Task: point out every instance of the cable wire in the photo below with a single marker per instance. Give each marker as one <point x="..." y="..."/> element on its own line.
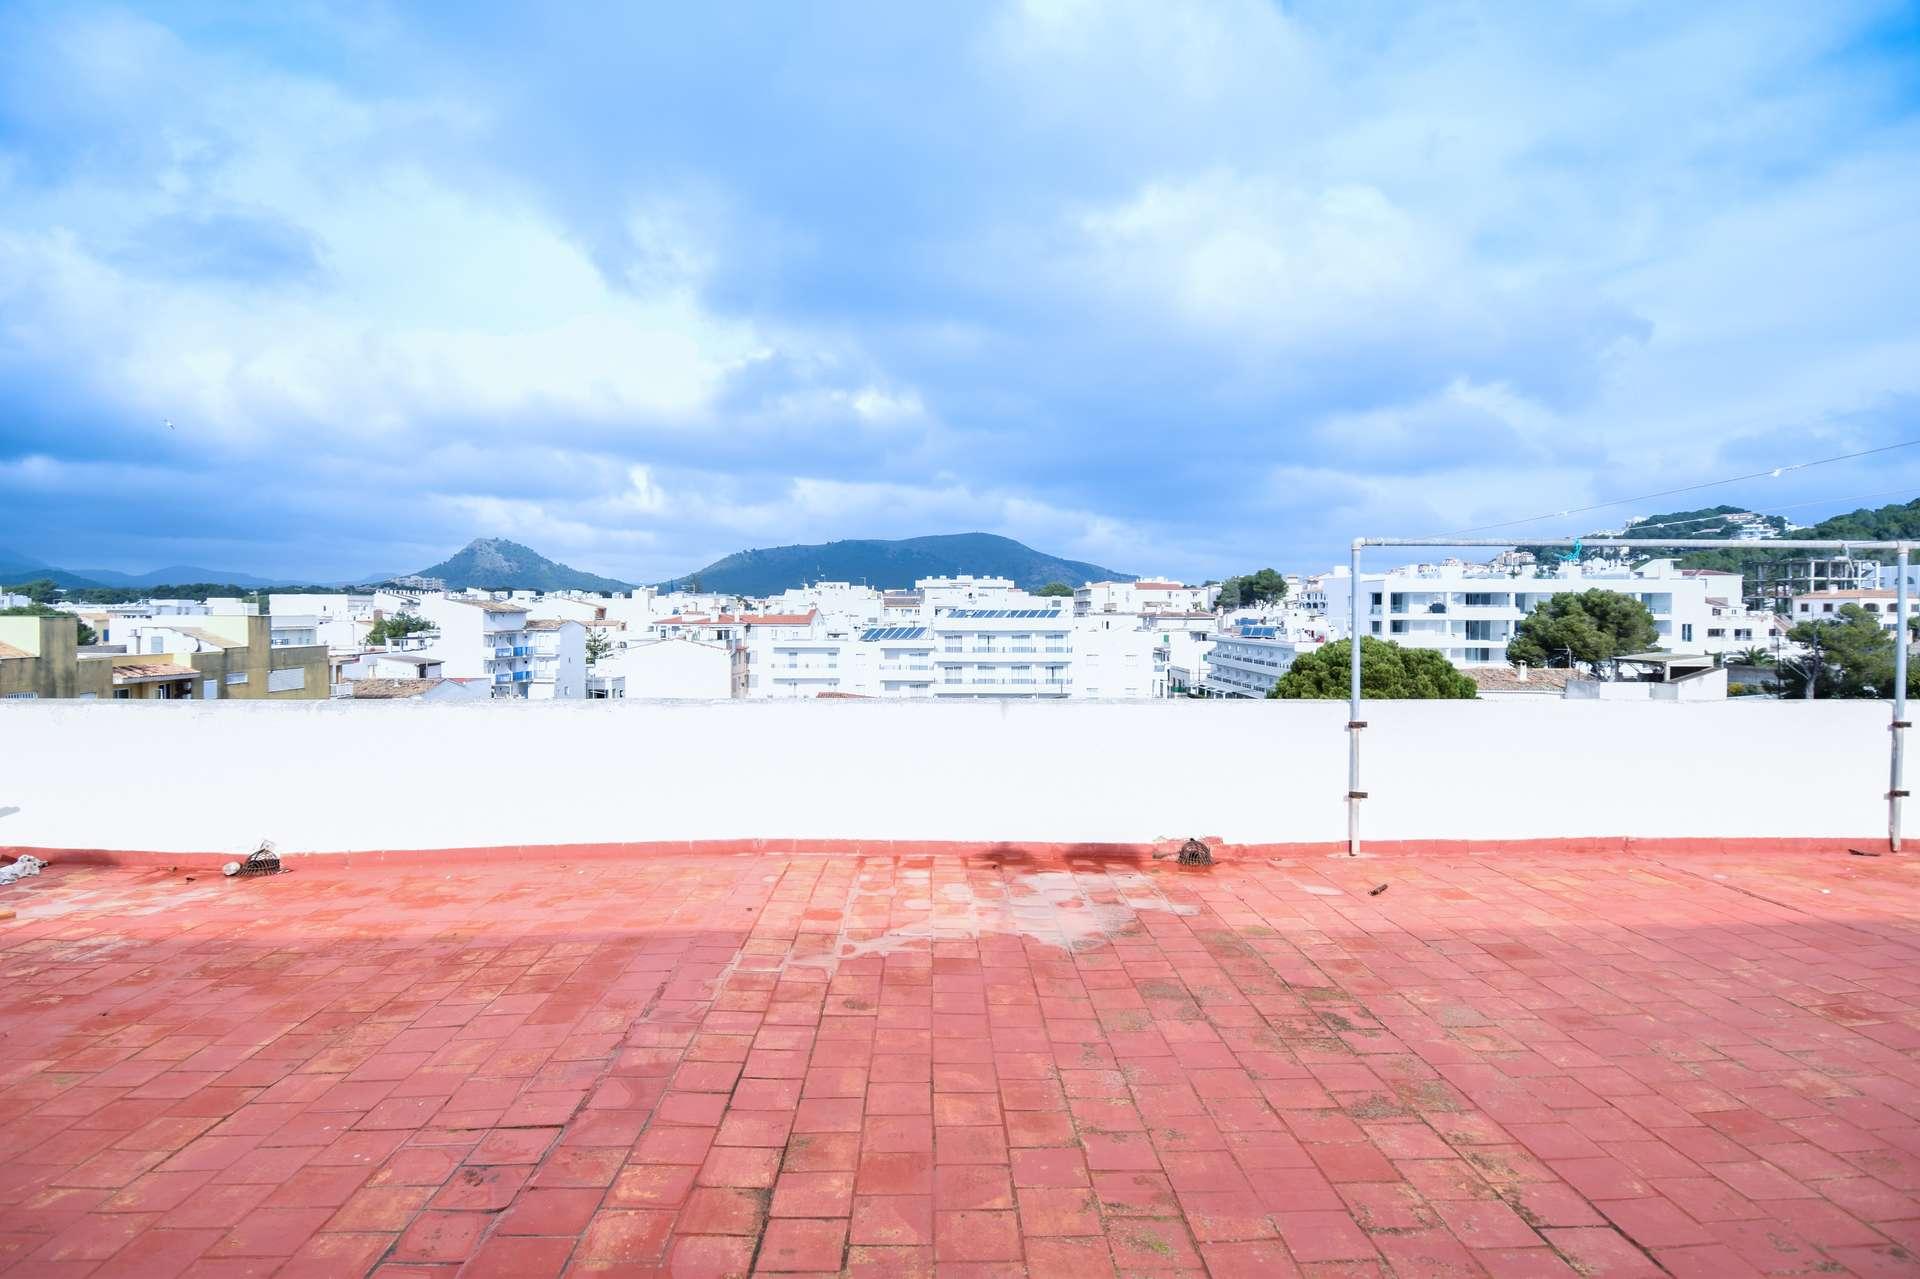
<point x="1773" y="473"/>
<point x="1634" y="530"/>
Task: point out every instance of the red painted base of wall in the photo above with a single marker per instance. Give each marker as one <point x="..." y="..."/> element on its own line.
<point x="1005" y="853"/>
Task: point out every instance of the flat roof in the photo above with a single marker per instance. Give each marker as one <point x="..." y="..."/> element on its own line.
<point x="1051" y="1063"/>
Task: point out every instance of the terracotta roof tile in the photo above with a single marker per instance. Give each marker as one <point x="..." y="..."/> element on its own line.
<point x="1505" y="679"/>
<point x="390" y="688"/>
<point x="143" y="672"/>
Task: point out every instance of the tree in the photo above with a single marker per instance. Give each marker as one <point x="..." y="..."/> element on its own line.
<point x="1262" y="587"/>
<point x="1753" y="657"/>
<point x="87" y="635"/>
<point x="40" y="590"/>
<point x="1848" y="656"/>
<point x="598" y="646"/>
<point x="1582" y="627"/>
<point x="1055" y="588"/>
<point x="386" y="630"/>
<point x="1386" y="670"/>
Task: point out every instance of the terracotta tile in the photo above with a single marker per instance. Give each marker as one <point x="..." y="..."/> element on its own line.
<point x="800" y="1245"/>
<point x="895" y="1221"/>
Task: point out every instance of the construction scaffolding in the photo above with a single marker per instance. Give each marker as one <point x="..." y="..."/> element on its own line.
<point x="1897" y="727"/>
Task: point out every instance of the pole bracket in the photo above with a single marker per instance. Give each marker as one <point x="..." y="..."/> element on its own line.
<point x="1898" y="794"/>
<point x="1360" y="794"/>
<point x="1356" y="723"/>
<point x="1901" y="723"/>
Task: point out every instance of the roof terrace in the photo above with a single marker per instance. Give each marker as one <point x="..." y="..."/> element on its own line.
<point x="1000" y="1061"/>
<point x="870" y="988"/>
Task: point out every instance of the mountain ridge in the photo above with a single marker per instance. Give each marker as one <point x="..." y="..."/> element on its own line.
<point x="499" y="564"/>
<point x="891" y="564"/>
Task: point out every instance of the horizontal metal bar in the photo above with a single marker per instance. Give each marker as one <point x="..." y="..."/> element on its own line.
<point x="1690" y="543"/>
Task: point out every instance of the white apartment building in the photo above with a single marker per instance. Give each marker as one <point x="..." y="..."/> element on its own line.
<point x="1469" y="612"/>
<point x="567" y="608"/>
<point x="482" y="638"/>
<point x="1000" y="652"/>
<point x="957" y="654"/>
<point x="1248" y="663"/>
<point x="559" y="653"/>
<point x="669" y="668"/>
<point x="841" y="601"/>
<point x="891" y="661"/>
<point x="964" y="591"/>
<point x="1148" y="595"/>
<point x="1825" y="606"/>
<point x="1179" y="661"/>
<point x="377" y="663"/>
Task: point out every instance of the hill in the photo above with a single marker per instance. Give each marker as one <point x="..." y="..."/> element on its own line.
<point x="493" y="563"/>
<point x="893" y="565"/>
<point x="1895" y="521"/>
<point x="1707" y="522"/>
<point x="177" y="574"/>
<point x="1876" y="524"/>
<point x="16" y="568"/>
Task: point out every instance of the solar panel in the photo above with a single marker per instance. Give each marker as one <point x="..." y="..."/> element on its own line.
<point x="893" y="633"/>
<point x="1004" y="612"/>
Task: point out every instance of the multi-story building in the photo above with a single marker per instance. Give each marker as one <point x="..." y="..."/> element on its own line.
<point x="482" y="638"/>
<point x="559" y="659"/>
<point x="964" y="591"/>
<point x="1469" y="612"/>
<point x="993" y="652"/>
<point x="1248" y="662"/>
<point x="1148" y="595"/>
<point x="839" y="601"/>
<point x="218" y="658"/>
<point x="1825" y="606"/>
<point x="667" y="668"/>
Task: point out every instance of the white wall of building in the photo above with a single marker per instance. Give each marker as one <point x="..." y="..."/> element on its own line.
<point x="559" y="659"/>
<point x="596" y="771"/>
<point x="1248" y="665"/>
<point x="675" y="669"/>
<point x="1469" y="612"/>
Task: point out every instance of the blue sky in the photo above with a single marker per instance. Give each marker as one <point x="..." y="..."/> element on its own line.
<point x="1180" y="289"/>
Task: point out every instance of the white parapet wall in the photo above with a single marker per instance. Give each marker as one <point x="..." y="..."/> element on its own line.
<point x="342" y="776"/>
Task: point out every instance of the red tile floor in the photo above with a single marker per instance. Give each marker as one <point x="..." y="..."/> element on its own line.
<point x="971" y="1066"/>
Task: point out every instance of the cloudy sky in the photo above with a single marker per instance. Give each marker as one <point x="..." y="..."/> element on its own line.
<point x="1175" y="288"/>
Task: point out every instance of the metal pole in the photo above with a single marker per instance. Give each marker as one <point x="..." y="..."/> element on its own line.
<point x="1898" y="761"/>
<point x="1354" y="722"/>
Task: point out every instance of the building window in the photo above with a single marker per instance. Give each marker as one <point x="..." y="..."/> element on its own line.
<point x="1686" y="632"/>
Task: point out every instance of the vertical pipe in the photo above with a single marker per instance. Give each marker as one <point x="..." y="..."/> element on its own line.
<point x="1897" y="762"/>
<point x="1353" y="704"/>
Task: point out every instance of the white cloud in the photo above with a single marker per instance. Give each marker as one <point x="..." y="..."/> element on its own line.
<point x="1263" y="257"/>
